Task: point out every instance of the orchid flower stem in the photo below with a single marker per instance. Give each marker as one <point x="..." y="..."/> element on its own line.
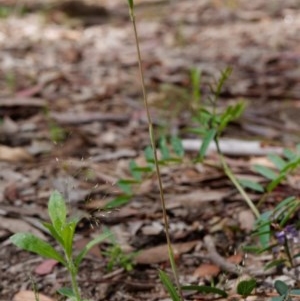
<point x="152" y="139"/>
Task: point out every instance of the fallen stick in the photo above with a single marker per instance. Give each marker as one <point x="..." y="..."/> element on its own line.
<point x="234" y="147"/>
<point x="226" y="266"/>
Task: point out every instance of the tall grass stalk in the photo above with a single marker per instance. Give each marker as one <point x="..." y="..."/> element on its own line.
<point x="152" y="140"/>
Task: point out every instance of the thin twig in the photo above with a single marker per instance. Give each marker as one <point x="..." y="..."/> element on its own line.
<point x="226" y="266"/>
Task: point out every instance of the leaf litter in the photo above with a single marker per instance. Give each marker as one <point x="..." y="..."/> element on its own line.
<point x="72" y="120"/>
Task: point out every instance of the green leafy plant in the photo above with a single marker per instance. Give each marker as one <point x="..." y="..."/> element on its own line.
<point x="56" y="132"/>
<point x="276" y="232"/>
<point x="171" y="152"/>
<point x="283" y="166"/>
<point x="211" y="126"/>
<point x="117" y="257"/>
<point x="62" y="230"/>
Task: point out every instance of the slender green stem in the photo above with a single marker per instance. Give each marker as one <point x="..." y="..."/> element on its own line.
<point x="73" y="273"/>
<point x="234" y="180"/>
<point x="152" y="139"/>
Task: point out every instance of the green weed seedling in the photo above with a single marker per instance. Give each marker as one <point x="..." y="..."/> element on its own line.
<point x="277" y="234"/>
<point x="117" y="257"/>
<point x="283" y="166"/>
<point x="5" y="11"/>
<point x="62" y="230"/>
<point x="274" y="228"/>
<point x="56" y="132"/>
<point x="171" y="152"/>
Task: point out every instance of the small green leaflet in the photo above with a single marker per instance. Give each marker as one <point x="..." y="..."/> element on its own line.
<point x="251" y="185"/>
<point x="266" y="172"/>
<point x="209" y="136"/>
<point x="118" y="201"/>
<point x="245" y="287"/>
<point x="177" y="146"/>
<point x="165" y="153"/>
<point x="277" y="161"/>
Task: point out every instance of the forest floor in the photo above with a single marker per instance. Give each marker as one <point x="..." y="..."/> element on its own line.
<point x="72" y="118"/>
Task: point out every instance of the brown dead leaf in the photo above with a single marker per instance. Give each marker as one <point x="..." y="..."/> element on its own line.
<point x="207" y="271"/>
<point x="196" y="198"/>
<point x="23" y="102"/>
<point x="30" y="296"/>
<point x="246" y="220"/>
<point x="46" y="267"/>
<point x="14" y="154"/>
<point x="87" y="117"/>
<point x="160" y="253"/>
<point x="16" y="225"/>
<point x="236" y="258"/>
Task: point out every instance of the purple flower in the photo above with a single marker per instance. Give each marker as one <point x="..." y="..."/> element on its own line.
<point x="288" y="233"/>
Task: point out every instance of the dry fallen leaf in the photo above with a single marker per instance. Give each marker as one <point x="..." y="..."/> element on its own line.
<point x="30" y="296"/>
<point x="207" y="271"/>
<point x="246" y="220"/>
<point x="160" y="253"/>
<point x="236" y="258"/>
<point x="15" y="225"/>
<point x="46" y="267"/>
<point x="196" y="198"/>
<point x="14" y="154"/>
